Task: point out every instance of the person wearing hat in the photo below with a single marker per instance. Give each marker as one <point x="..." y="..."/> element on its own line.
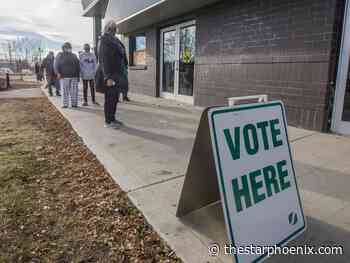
<point x="67" y="67"/>
<point x="87" y="72"/>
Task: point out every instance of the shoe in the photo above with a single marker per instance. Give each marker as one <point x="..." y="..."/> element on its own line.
<point x="74" y="106"/>
<point x="96" y="103"/>
<point x="126" y="99"/>
<point x="58" y="94"/>
<point x="118" y="123"/>
<point x="64" y="107"/>
<point x="85" y="104"/>
<point x="112" y="125"/>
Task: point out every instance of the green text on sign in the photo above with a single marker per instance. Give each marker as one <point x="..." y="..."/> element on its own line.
<point x="254" y="187"/>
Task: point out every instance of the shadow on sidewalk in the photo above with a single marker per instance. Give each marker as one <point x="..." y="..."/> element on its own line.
<point x="177" y="144"/>
<point x="147" y="119"/>
<point x="209" y="224"/>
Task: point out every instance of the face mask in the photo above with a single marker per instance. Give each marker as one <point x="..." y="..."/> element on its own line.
<point x="113" y="33"/>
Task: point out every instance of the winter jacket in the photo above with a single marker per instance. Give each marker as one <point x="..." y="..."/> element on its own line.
<point x="48" y="64"/>
<point x="99" y="80"/>
<point x="112" y="57"/>
<point x="67" y="65"/>
<point x="87" y="65"/>
<point x="37" y="68"/>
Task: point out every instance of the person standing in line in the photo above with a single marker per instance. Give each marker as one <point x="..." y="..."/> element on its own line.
<point x="112" y="56"/>
<point x="51" y="78"/>
<point x="88" y="71"/>
<point x="41" y="71"/>
<point x="124" y="83"/>
<point x="67" y="68"/>
<point x="37" y="70"/>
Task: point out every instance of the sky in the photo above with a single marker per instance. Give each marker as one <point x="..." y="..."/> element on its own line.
<point x="57" y="20"/>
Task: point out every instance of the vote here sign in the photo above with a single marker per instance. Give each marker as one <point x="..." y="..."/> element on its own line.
<point x="256" y="176"/>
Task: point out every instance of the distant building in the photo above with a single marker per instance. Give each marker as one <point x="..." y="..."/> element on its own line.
<point x="204" y="51"/>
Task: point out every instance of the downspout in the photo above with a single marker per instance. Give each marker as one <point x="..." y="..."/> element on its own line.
<point x="334" y="62"/>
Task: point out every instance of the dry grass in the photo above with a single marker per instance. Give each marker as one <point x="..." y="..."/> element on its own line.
<point x="57" y="203"/>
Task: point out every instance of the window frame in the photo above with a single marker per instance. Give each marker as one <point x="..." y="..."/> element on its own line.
<point x="133" y="49"/>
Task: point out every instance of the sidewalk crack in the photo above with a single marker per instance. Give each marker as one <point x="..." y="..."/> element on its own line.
<point x="155" y="183"/>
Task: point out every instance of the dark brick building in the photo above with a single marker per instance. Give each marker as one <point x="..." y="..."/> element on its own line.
<point x="205" y="51"/>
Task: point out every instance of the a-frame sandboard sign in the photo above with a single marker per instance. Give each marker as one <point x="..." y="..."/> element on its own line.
<point x="201" y="185"/>
<point x="242" y="156"/>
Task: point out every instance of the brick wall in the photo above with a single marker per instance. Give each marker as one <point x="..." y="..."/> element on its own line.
<point x="144" y="81"/>
<point x="283" y="48"/>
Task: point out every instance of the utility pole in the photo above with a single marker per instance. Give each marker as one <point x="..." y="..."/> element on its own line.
<point x="10" y="51"/>
<point x="40" y="50"/>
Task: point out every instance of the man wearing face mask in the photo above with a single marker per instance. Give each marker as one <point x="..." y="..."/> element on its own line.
<point x="88" y="71"/>
<point x="67" y="67"/>
<point x="112" y="59"/>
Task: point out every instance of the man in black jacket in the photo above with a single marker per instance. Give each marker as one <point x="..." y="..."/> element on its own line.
<point x="51" y="78"/>
<point x="67" y="67"/>
<point x="112" y="57"/>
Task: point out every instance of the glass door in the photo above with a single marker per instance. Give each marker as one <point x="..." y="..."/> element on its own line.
<point x="186" y="60"/>
<point x="341" y="109"/>
<point x="177" y="62"/>
<point x="346" y="106"/>
<point x="168" y="61"/>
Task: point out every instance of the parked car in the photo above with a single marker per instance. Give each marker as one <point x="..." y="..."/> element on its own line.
<point x="6" y="70"/>
<point x="27" y="72"/>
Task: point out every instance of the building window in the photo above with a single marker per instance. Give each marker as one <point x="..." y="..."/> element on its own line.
<point x="137" y="50"/>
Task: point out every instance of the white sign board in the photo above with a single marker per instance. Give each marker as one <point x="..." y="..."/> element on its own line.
<point x="256" y="176"/>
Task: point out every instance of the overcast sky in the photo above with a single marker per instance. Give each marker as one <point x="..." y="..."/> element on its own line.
<point x="56" y="19"/>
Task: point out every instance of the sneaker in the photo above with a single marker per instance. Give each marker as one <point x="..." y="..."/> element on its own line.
<point x="118" y="122"/>
<point x="126" y="99"/>
<point x="112" y="125"/>
<point x="96" y="103"/>
<point x="85" y="104"/>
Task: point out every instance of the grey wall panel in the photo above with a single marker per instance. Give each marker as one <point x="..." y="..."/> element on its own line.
<point x="120" y="9"/>
<point x="86" y="3"/>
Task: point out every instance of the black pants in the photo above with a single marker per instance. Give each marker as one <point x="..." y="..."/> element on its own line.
<point x="111" y="101"/>
<point x="125" y="90"/>
<point x="52" y="81"/>
<point x="86" y="84"/>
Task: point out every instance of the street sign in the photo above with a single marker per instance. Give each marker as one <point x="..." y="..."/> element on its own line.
<point x="256" y="176"/>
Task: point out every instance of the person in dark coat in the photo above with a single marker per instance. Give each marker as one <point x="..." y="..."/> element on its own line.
<point x="37" y="69"/>
<point x="51" y="78"/>
<point x="125" y="81"/>
<point x="112" y="57"/>
<point x="67" y="68"/>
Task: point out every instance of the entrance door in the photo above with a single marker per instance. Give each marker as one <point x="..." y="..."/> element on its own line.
<point x="177" y="61"/>
<point x="341" y="110"/>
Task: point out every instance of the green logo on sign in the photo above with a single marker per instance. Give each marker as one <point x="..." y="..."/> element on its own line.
<point x="293" y="218"/>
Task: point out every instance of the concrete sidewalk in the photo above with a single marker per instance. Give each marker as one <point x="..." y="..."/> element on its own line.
<point x="21" y="93"/>
<point x="148" y="158"/>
